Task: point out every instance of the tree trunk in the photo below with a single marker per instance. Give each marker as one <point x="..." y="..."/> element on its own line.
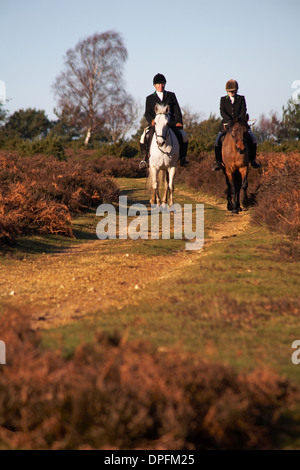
<point x="88" y="136"/>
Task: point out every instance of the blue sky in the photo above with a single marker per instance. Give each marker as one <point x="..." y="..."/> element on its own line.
<point x="198" y="45"/>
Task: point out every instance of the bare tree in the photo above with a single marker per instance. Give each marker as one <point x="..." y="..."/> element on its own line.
<point x="92" y="73"/>
<point x="270" y="128"/>
<point x="121" y="115"/>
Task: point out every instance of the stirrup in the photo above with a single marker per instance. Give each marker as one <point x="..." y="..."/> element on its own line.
<point x="142" y="165"/>
<point x="216" y="166"/>
<point x="184" y="162"/>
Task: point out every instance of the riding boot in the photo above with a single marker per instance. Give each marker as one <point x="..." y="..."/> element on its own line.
<point x="254" y="163"/>
<point x="144" y="156"/>
<point x="252" y="155"/>
<point x="183" y="152"/>
<point x="217" y="165"/>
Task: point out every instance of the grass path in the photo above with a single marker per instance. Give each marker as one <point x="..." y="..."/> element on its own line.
<point x="72" y="281"/>
<point x="235" y="300"/>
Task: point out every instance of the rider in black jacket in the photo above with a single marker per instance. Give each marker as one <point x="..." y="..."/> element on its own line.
<point x="233" y="106"/>
<point x="163" y="97"/>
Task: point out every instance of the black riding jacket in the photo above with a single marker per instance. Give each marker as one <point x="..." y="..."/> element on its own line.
<point x="231" y="111"/>
<point x="169" y="98"/>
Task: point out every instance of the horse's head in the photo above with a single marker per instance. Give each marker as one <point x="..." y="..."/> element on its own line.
<point x="162" y="119"/>
<point x="238" y="132"/>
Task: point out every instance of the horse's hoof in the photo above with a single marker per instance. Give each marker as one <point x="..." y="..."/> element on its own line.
<point x="235" y="211"/>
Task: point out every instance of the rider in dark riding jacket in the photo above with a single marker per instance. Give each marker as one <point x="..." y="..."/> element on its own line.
<point x="162" y="97"/>
<point x="233" y="106"/>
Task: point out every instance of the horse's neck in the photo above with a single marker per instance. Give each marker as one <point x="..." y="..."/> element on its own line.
<point x="168" y="145"/>
<point x="169" y="137"/>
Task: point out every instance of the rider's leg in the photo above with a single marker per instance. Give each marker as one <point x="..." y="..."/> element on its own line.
<point x="183" y="145"/>
<point x="252" y="145"/>
<point x="183" y="152"/>
<point x="145" y="143"/>
<point x="217" y="165"/>
<point x="143" y="150"/>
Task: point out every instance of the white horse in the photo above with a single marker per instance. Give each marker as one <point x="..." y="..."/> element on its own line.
<point x="163" y="156"/>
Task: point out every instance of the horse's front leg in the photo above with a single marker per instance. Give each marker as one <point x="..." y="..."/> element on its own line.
<point x="172" y="171"/>
<point x="244" y="175"/>
<point x="166" y="186"/>
<point x="155" y="199"/>
<point x="231" y="197"/>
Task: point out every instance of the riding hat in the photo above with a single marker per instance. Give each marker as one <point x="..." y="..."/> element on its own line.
<point x="232" y="85"/>
<point x="159" y="78"/>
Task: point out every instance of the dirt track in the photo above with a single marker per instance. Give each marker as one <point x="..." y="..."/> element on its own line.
<point x="60" y="288"/>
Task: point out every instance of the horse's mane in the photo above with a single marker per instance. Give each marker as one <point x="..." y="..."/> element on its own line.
<point x="241" y="120"/>
<point x="238" y="120"/>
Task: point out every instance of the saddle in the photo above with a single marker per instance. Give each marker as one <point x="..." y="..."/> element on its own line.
<point x="148" y="137"/>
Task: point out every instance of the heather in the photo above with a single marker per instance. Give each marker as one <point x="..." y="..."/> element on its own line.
<point x="41" y="194"/>
<point x="273" y="190"/>
<point x="114" y="393"/>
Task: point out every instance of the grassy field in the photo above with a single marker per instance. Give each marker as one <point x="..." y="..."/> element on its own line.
<point x="238" y="301"/>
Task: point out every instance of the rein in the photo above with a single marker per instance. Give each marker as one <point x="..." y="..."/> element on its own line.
<point x="164" y="137"/>
<point x="239" y="140"/>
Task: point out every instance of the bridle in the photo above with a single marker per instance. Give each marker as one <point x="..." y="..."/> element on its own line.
<point x="164" y="137"/>
<point x="244" y="140"/>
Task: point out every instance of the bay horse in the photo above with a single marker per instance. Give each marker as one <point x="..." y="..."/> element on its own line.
<point x="163" y="157"/>
<point x="235" y="160"/>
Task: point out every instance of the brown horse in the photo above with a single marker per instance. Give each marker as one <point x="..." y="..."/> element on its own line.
<point x="235" y="160"/>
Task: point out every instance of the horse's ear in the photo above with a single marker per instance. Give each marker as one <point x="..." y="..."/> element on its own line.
<point x="155" y="108"/>
<point x="167" y="109"/>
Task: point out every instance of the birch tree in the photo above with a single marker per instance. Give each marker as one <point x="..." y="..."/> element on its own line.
<point x="121" y="115"/>
<point x="92" y="72"/>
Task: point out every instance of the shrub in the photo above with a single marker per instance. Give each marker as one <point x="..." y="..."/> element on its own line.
<point x="278" y="202"/>
<point x="274" y="190"/>
<point x="286" y="146"/>
<point x="124" y="150"/>
<point x="40" y="194"/>
<point x="50" y="146"/>
<point x="114" y="394"/>
<point x="116" y="167"/>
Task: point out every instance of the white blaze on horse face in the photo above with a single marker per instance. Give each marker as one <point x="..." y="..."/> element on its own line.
<point x="239" y="135"/>
<point x="161" y="127"/>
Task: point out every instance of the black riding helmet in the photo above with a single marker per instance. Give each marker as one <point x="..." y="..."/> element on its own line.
<point x="159" y="78"/>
